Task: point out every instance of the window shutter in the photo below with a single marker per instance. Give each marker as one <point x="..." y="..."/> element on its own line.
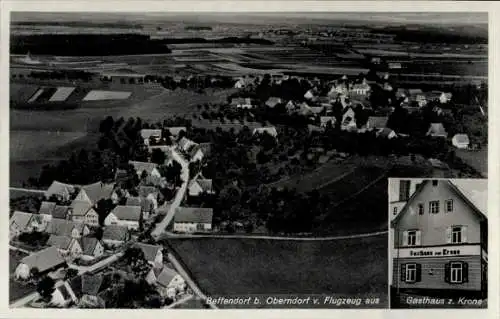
<point x="403" y="272"/>
<point x="448" y="235"/>
<point x="405" y="238"/>
<point x="447" y="272"/>
<point x="465" y="272"/>
<point x="418" y="277"/>
<point x="464" y="234"/>
<point x="418" y="237"/>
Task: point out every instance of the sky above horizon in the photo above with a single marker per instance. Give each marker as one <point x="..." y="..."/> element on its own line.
<point x="459" y="18"/>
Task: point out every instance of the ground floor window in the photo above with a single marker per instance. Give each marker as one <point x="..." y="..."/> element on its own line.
<point x="456" y="272"/>
<point x="411" y="273"/>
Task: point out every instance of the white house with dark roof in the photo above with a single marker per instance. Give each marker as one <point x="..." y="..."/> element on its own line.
<point x="199" y="185"/>
<point x="66" y="245"/>
<point x="151" y="169"/>
<point x="193" y="219"/>
<point x="91" y="248"/>
<point x="94" y="192"/>
<point x="168" y="282"/>
<point x="21" y="222"/>
<point x="186" y="144"/>
<point x="128" y="216"/>
<point x="82" y="212"/>
<point x="152" y="253"/>
<point x="45" y="260"/>
<point x="68" y="228"/>
<point x="148" y="134"/>
<point x="199" y="152"/>
<point x="440" y="239"/>
<point x="61" y="190"/>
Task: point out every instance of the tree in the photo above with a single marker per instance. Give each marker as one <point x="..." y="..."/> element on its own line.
<point x="98" y="233"/>
<point x="135" y="258"/>
<point x="103" y="208"/>
<point x="34" y="273"/>
<point x="106" y="125"/>
<point x="46" y="287"/>
<point x="158" y="156"/>
<point x="70" y="273"/>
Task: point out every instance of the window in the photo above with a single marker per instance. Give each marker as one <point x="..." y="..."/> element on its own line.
<point x="434" y="182"/>
<point x="420" y="209"/>
<point x="395" y="210"/>
<point x="434" y="207"/>
<point x="449" y="205"/>
<point x="456" y="272"/>
<point x="411" y="273"/>
<point x="456" y="235"/>
<point x="404" y="190"/>
<point x="412" y="238"/>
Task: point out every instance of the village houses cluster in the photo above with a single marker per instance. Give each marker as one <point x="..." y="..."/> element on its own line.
<point x="351" y="94"/>
<point x="72" y="218"/>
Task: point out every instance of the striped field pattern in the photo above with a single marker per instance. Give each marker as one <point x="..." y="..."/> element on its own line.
<point x="61" y="94"/>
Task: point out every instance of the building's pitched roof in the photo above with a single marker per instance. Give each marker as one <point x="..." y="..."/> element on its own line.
<point x="415" y="91"/>
<point x="115" y="232"/>
<point x="60" y="189"/>
<point x="63" y="227"/>
<point x="205" y="184"/>
<point x="147" y="133"/>
<point x="60" y="212"/>
<point x="271" y="130"/>
<point x="61" y="242"/>
<point x="46" y="208"/>
<point x="150" y="251"/>
<point x="131" y="213"/>
<point x="91" y="284"/>
<point x="185" y="143"/>
<point x="80" y="208"/>
<point x="64" y="292"/>
<point x="75" y="284"/>
<point x="143" y="202"/>
<point x="98" y="191"/>
<point x="461" y="138"/>
<point x="204" y="147"/>
<point x="193" y="215"/>
<point x="44" y="259"/>
<point x="166" y="276"/>
<point x="21" y="219"/>
<point x="462" y="188"/>
<point x="378" y="121"/>
<point x="143" y="166"/>
<point x="326" y="119"/>
<point x="436" y="129"/>
<point x="133" y="201"/>
<point x="88" y="245"/>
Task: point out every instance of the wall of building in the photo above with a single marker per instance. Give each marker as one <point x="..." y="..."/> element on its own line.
<point x="436" y="280"/>
<point x="433" y="226"/>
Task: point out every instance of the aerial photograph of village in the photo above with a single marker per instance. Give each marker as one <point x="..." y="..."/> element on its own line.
<point x="229" y="160"/>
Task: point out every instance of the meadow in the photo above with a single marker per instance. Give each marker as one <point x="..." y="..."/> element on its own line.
<point x="232" y="267"/>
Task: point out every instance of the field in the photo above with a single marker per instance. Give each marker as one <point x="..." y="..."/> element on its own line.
<point x="346" y="267"/>
<point x="17" y="290"/>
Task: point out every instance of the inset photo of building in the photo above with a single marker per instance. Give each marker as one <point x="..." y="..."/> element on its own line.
<point x="438" y="243"/>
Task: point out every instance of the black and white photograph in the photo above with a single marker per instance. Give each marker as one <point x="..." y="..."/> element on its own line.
<point x="439" y="243"/>
<point x="237" y="160"/>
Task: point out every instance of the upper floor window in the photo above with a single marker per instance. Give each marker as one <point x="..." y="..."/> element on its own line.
<point x="456" y="235"/>
<point x="411" y="238"/>
<point x="420" y="209"/>
<point x="395" y="210"/>
<point x="434" y="207"/>
<point x="404" y="190"/>
<point x="449" y="205"/>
